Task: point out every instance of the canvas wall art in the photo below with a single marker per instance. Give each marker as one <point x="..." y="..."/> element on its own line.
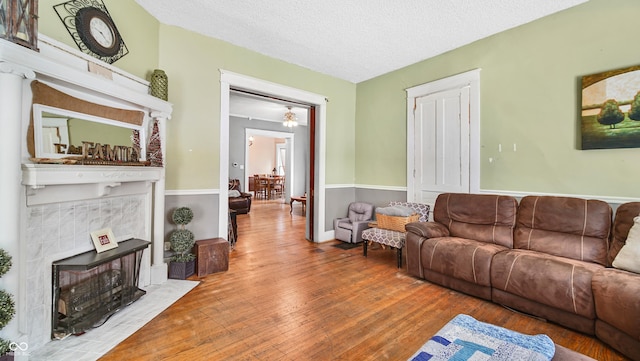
<point x="611" y="109"/>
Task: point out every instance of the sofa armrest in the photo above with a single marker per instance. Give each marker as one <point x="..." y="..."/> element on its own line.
<point x="427" y="229"/>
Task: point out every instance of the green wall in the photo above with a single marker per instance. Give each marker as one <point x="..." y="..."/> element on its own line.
<point x="530" y="94"/>
<point x="81" y="130"/>
<point x="192" y="63"/>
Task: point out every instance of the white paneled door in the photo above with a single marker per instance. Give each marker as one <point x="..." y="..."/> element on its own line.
<point x="441" y="144"/>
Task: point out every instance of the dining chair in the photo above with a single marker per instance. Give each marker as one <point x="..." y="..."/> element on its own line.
<point x="278" y="186"/>
<point x="260" y="186"/>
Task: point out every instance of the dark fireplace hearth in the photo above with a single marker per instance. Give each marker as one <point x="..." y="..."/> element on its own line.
<point x="90" y="287"/>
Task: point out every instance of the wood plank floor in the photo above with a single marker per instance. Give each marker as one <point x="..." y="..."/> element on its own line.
<point x="285" y="298"/>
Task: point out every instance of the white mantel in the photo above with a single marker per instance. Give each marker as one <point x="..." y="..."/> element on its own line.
<point x="28" y="191"/>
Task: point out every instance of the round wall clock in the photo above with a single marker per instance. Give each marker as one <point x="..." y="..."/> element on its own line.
<point x="92" y="29"/>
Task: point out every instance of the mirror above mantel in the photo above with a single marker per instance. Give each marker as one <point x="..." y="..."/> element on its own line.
<point x="65" y="136"/>
<point x="68" y="130"/>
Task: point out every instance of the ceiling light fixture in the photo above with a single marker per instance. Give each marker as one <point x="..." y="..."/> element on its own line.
<point x="290" y="119"/>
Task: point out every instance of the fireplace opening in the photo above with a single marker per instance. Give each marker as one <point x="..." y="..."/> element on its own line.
<point x="90" y="287"/>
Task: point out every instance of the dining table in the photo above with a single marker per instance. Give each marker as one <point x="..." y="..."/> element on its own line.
<point x="269" y="182"/>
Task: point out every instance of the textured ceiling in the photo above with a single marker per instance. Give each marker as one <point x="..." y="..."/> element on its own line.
<point x="354" y="40"/>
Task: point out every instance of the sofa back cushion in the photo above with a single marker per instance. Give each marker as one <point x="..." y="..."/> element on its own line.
<point x="564" y="226"/>
<point x="621" y="225"/>
<point x="481" y="217"/>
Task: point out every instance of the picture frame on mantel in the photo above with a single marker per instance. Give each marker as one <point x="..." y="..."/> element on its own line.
<point x="103" y="240"/>
<point x="610" y="109"/>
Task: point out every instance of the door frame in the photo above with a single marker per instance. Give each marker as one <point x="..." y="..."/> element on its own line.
<point x="470" y="78"/>
<point x="289" y="145"/>
<point x="230" y="80"/>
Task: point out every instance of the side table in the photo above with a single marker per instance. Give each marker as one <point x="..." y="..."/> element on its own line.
<point x="302" y="200"/>
<point x="212" y="255"/>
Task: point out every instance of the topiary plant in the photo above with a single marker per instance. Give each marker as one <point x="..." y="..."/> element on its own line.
<point x="182" y="216"/>
<point x="182" y="240"/>
<point x="7" y="308"/>
<point x="7" y="305"/>
<point x="5" y="346"/>
<point x="5" y="262"/>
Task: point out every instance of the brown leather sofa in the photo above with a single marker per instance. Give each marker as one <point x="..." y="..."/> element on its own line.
<point x="242" y="203"/>
<point x="545" y="256"/>
<point x="617" y="292"/>
<point x="559" y="244"/>
<point x="456" y="249"/>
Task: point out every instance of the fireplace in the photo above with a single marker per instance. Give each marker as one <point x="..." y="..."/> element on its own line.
<point x="90" y="287"/>
<point x="49" y="210"/>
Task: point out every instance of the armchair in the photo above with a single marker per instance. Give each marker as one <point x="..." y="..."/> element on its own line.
<point x="349" y="229"/>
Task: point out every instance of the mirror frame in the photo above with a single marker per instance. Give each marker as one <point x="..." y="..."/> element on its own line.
<point x="40" y="109"/>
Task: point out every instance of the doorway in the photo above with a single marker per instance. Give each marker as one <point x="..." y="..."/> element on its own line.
<point x="443" y="137"/>
<point x="284" y="166"/>
<point x="315" y="222"/>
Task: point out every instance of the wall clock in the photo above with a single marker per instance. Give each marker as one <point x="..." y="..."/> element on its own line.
<point x="92" y="29"/>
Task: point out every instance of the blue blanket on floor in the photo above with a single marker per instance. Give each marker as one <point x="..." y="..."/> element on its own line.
<point x="465" y="338"/>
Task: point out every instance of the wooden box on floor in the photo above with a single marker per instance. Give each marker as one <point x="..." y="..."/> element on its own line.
<point x="212" y="255"/>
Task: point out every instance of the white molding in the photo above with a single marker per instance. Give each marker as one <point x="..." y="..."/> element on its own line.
<point x="68" y="68"/>
<point x="382" y="188"/>
<point x="367" y="186"/>
<point x="520" y="194"/>
<point x="42" y="175"/>
<point x="230" y="79"/>
<point x="15" y="69"/>
<point x="338" y="186"/>
<point x="190" y="192"/>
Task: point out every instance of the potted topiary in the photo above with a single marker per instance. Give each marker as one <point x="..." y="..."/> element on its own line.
<point x="182" y="264"/>
<point x="7" y="307"/>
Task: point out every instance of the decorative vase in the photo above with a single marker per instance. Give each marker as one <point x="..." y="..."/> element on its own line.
<point x="181" y="270"/>
<point x="159" y="84"/>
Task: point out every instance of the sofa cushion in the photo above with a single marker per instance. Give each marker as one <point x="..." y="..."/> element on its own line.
<point x="629" y="256"/>
<point x="482" y="217"/>
<point x="559" y="282"/>
<point x="564" y="226"/>
<point x="616" y="295"/>
<point x="460" y="258"/>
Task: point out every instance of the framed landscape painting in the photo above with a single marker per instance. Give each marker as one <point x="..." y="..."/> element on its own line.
<point x="611" y="109"/>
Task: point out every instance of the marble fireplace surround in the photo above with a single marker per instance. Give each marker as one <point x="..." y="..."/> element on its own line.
<point x="48" y="211"/>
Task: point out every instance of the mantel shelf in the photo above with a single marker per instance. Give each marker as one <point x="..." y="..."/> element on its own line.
<point x="42" y="175"/>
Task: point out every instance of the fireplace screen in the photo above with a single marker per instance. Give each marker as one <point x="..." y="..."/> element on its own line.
<point x="90" y="287"/>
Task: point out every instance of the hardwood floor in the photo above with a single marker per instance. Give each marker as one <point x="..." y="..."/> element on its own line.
<point x="285" y="298"/>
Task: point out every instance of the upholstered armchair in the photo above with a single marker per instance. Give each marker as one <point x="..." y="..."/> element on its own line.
<point x="349" y="229"/>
